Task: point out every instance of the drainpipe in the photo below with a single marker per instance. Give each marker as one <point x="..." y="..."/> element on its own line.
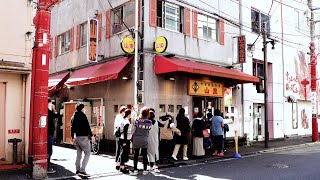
<point x="23" y="115"/>
<point x="282" y="54"/>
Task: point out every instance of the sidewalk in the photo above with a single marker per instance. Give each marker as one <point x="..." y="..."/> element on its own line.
<point x="103" y="165"/>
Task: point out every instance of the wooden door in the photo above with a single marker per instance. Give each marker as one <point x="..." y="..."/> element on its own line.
<point x="2" y="119"/>
<point x="69" y="109"/>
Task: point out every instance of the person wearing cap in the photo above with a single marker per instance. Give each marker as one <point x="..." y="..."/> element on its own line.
<point x="81" y="128"/>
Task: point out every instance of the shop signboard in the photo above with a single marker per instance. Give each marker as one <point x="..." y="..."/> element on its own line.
<point x="92" y="51"/>
<point x="161" y="44"/>
<point x="242" y="49"/>
<point x="205" y="88"/>
<point x="127" y="45"/>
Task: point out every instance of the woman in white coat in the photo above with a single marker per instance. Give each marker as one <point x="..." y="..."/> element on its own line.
<point x="153" y="142"/>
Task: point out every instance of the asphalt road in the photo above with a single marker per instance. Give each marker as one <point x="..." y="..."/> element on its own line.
<point x="298" y="164"/>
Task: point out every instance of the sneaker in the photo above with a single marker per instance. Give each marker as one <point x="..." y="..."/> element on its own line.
<point x="221" y="154"/>
<point x="174" y="157"/>
<point x="77" y="172"/>
<point x="215" y="154"/>
<point x="124" y="171"/>
<point x="117" y="167"/>
<point x="156" y="170"/>
<point x="185" y="158"/>
<point x="145" y="172"/>
<point x="135" y="172"/>
<point x="51" y="171"/>
<point x="83" y="173"/>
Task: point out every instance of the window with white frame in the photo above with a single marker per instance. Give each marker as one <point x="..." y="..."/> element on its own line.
<point x="257" y="20"/>
<point x="83" y="33"/>
<point x="170" y="16"/>
<point x="64" y="42"/>
<point x="207" y="27"/>
<point x="123" y="16"/>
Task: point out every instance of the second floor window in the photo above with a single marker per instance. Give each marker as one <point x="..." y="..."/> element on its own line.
<point x="170" y="16"/>
<point x="257" y="20"/>
<point x="83" y="34"/>
<point x="207" y="28"/>
<point x="123" y="15"/>
<point x="258" y="70"/>
<point x="64" y="42"/>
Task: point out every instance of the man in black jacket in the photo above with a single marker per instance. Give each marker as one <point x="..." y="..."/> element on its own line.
<point x="51" y="116"/>
<point x="81" y="128"/>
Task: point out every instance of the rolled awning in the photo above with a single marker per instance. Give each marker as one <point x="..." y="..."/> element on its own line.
<point x="167" y="65"/>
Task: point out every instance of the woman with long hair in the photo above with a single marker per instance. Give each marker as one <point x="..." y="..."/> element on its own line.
<point x="198" y="126"/>
<point x="183" y="125"/>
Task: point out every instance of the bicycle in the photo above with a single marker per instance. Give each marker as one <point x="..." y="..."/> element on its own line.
<point x="97" y="134"/>
<point x="95" y="145"/>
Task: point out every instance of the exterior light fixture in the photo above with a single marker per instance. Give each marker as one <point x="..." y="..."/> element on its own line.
<point x="172" y="79"/>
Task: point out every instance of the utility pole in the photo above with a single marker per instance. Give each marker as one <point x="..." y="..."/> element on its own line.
<point x="313" y="73"/>
<point x="265" y="51"/>
<point x="39" y="91"/>
<point x="136" y="54"/>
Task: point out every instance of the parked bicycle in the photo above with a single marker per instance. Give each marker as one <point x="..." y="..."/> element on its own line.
<point x="97" y="134"/>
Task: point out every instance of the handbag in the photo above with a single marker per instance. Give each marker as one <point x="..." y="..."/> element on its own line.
<point x="206" y="133"/>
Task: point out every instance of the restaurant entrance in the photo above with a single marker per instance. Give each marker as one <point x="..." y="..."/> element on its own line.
<point x="206" y="104"/>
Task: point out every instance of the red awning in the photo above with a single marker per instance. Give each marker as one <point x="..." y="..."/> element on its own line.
<point x="97" y="73"/>
<point x="55" y="79"/>
<point x="166" y="65"/>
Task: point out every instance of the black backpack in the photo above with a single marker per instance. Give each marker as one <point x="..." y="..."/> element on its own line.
<point x="118" y="133"/>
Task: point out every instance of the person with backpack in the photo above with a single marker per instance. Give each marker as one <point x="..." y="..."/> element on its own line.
<point x="117" y="122"/>
<point x="153" y="142"/>
<point x="217" y="132"/>
<point x="124" y="140"/>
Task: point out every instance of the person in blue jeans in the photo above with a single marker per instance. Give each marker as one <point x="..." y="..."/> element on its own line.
<point x="217" y="132"/>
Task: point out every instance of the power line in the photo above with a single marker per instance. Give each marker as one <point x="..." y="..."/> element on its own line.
<point x="103" y="11"/>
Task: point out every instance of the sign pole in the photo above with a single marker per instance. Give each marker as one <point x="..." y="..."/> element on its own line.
<point x="266" y="102"/>
<point x="39" y="92"/>
<point x="313" y="73"/>
<point x="136" y="54"/>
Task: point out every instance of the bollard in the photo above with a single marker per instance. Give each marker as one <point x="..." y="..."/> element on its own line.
<point x="15" y="142"/>
<point x="236" y="155"/>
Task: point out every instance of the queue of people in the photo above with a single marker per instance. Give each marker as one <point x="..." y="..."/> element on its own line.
<point x="160" y="140"/>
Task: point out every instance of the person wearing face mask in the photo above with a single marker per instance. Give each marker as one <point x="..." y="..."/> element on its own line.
<point x="117" y="123"/>
<point x="81" y="128"/>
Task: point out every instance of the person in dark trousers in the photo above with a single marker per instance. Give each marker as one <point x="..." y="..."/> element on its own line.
<point x="81" y="128"/>
<point x="117" y="122"/>
<point x="140" y="139"/>
<point x="51" y="128"/>
<point x="217" y="132"/>
<point x="124" y="140"/>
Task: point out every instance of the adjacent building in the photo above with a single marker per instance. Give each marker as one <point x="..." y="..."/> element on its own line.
<point x="15" y="78"/>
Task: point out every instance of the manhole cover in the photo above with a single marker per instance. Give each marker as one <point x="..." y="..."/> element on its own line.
<point x="280" y="166"/>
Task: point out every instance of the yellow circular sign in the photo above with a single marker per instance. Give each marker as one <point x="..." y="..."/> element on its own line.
<point x="127" y="44"/>
<point x="161" y="44"/>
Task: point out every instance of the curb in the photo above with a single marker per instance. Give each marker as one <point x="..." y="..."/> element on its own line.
<point x="213" y="159"/>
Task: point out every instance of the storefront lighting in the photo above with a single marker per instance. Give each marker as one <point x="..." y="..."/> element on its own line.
<point x="172" y="79"/>
<point x="124" y="78"/>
